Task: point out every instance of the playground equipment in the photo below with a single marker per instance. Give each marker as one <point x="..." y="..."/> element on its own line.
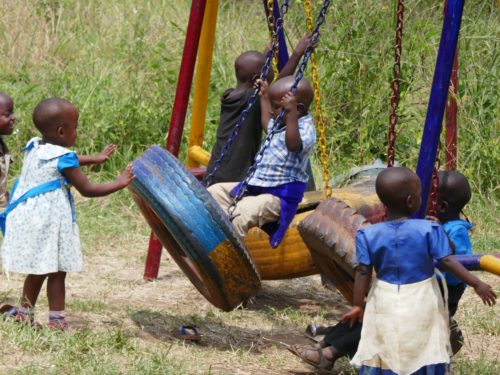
<point x="183" y="215"/>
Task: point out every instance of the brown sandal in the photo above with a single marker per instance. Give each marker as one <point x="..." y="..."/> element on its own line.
<point x="324" y="365"/>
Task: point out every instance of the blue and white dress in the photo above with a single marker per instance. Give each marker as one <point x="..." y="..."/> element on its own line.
<point x="41" y="233"/>
<point x="405" y="326"/>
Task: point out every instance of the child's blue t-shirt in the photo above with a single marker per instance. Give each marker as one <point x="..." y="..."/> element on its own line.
<point x="457" y="231"/>
<point x="402" y="252"/>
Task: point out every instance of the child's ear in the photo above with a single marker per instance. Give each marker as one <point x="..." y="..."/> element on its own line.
<point x="301" y="109"/>
<point x="443" y="206"/>
<point x="60" y="131"/>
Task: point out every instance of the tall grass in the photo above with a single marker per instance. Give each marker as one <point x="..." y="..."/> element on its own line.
<point x="118" y="61"/>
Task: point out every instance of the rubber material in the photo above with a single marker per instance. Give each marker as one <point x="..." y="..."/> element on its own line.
<point x="329" y="234"/>
<point x="194" y="230"/>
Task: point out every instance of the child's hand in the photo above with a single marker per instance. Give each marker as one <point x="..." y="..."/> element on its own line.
<point x="301" y="47"/>
<point x="353" y="316"/>
<point x="125" y="178"/>
<point x="105" y="154"/>
<point x="289" y="102"/>
<point x="486" y="293"/>
<point x="264" y="87"/>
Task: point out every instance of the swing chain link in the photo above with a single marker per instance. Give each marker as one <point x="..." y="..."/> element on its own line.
<point x="395" y="84"/>
<point x="278" y="122"/>
<point x="435" y="184"/>
<point x="251" y="101"/>
<point x="319" y="113"/>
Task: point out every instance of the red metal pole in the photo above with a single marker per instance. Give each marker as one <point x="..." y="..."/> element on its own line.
<point x="451" y="118"/>
<point x="178" y="114"/>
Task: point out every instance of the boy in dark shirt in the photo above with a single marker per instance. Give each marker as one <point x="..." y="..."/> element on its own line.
<point x="233" y="101"/>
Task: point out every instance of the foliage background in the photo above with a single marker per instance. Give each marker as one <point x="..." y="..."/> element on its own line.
<point x="118" y="61"/>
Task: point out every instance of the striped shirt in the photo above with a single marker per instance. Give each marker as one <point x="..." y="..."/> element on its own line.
<point x="279" y="165"/>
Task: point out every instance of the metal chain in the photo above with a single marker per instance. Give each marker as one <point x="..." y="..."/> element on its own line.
<point x="278" y="122"/>
<point x="435" y="184"/>
<point x="272" y="35"/>
<point x="318" y="108"/>
<point x="251" y="101"/>
<point x="396" y="69"/>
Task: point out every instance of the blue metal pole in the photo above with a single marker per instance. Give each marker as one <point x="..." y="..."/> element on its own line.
<point x="438" y="97"/>
<point x="282" y="50"/>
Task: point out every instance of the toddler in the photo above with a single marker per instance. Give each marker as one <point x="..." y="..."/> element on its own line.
<point x="41" y="233"/>
<point x="280" y="180"/>
<point x="247" y="68"/>
<point x="7" y="120"/>
<point x="405" y="324"/>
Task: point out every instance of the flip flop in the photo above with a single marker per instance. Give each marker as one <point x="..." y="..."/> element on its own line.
<point x="188" y="332"/>
<point x="324" y="366"/>
<point x="315" y="329"/>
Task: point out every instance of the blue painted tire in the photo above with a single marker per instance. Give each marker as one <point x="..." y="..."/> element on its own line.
<point x="194" y="230"/>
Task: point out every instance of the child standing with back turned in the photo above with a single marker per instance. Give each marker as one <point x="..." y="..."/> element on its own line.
<point x="41" y="234"/>
<point x="405" y="324"/>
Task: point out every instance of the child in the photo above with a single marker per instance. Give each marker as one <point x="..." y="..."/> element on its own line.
<point x="233" y="101"/>
<point x="280" y="180"/>
<point x="7" y="120"/>
<point x="454" y="193"/>
<point x="405" y="327"/>
<point x="41" y="237"/>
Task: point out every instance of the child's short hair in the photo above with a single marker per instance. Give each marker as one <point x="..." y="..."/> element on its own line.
<point x="49" y="113"/>
<point x="248" y="65"/>
<point x="454" y="188"/>
<point x="394" y="185"/>
<point x="305" y="94"/>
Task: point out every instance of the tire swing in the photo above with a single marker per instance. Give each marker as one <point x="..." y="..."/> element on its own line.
<point x="196" y="232"/>
<point x="291" y="258"/>
<point x="330" y="231"/>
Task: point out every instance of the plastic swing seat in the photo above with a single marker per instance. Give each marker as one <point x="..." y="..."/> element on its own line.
<point x="193" y="228"/>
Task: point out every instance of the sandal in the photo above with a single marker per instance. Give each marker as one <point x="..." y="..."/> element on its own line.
<point x="188" y="332"/>
<point x="12" y="312"/>
<point x="324" y="365"/>
<point x="315" y="329"/>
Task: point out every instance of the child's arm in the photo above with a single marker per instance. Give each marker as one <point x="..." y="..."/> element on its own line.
<point x="292" y="133"/>
<point x="88" y="189"/>
<point x="362" y="282"/>
<point x="97" y="159"/>
<point x="265" y="103"/>
<point x="483" y="290"/>
<point x="295" y="57"/>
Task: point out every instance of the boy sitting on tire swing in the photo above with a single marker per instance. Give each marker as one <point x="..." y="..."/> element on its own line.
<point x="280" y="180"/>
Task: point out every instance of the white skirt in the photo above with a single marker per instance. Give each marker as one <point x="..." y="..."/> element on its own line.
<point x="405" y="327"/>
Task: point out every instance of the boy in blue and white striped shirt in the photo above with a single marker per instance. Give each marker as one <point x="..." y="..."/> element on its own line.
<point x="280" y="180"/>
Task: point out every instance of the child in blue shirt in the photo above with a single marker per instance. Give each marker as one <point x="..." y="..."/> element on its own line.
<point x="454" y="194"/>
<point x="405" y="324"/>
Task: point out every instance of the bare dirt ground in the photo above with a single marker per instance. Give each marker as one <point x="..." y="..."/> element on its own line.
<point x="111" y="293"/>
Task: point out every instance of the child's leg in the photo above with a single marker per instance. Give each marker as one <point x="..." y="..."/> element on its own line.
<point x="220" y="192"/>
<point x="56" y="293"/>
<point x="31" y="290"/>
<point x="255" y="211"/>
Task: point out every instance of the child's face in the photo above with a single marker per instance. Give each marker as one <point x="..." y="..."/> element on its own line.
<point x="67" y="133"/>
<point x="7" y="117"/>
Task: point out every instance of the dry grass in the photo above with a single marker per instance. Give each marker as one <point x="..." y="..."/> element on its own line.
<point x="121" y="324"/>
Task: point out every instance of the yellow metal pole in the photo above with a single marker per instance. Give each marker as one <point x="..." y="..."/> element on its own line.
<point x="202" y="80"/>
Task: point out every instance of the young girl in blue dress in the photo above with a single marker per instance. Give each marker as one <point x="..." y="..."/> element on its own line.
<point x="41" y="233"/>
<point x="405" y="322"/>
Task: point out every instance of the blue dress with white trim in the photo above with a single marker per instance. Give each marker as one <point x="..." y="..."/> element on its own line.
<point x="41" y="233"/>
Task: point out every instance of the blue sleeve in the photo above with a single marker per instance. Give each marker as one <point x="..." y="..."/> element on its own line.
<point x="439" y="245"/>
<point x="460" y="238"/>
<point x="362" y="253"/>
<point x="69" y="160"/>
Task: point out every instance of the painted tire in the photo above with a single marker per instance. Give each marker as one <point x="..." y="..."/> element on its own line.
<point x="329" y="233"/>
<point x="193" y="229"/>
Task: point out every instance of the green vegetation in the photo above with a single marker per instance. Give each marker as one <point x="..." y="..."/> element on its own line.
<point x="119" y="60"/>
